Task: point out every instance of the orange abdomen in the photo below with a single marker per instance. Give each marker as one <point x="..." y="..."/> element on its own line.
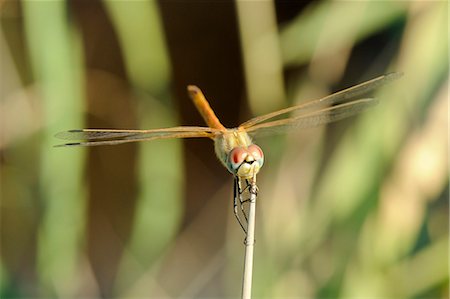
<point x="203" y="107"/>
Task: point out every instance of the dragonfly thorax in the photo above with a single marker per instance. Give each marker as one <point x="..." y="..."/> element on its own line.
<point x="238" y="154"/>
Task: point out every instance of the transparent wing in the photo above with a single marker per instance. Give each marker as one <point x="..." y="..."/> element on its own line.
<point x="313" y="119"/>
<point x="92" y="137"/>
<point x="337" y="98"/>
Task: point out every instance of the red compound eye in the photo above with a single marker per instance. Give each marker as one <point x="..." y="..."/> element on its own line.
<point x="255" y="151"/>
<point x="238" y="155"/>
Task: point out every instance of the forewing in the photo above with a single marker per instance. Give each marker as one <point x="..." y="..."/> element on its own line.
<point x="313" y="119"/>
<point x="92" y="137"/>
<point x="337" y="98"/>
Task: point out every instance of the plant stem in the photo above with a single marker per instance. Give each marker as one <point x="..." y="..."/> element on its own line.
<point x="249" y="244"/>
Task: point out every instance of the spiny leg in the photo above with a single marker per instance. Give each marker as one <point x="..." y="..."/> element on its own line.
<point x="237" y="195"/>
<point x="252" y="187"/>
<point x="241" y="201"/>
<point x="253" y="193"/>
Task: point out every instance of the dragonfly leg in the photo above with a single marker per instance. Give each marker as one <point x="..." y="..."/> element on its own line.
<point x="247" y="185"/>
<point x="252" y="193"/>
<point x="237" y="196"/>
<point x="241" y="201"/>
<point x="251" y="186"/>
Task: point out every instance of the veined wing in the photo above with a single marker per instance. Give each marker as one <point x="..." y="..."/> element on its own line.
<point x="92" y="137"/>
<point x="313" y="119"/>
<point x="337" y="98"/>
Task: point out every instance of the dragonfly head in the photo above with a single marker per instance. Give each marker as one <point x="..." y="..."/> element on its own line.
<point x="245" y="162"/>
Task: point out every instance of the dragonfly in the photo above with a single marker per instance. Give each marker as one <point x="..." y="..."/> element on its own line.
<point x="234" y="147"/>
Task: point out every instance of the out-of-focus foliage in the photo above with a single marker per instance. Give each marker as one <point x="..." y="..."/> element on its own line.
<point x="356" y="209"/>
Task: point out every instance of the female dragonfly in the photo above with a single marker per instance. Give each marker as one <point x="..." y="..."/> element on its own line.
<point x="234" y="147"/>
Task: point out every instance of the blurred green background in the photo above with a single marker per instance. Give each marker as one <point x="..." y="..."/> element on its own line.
<point x="355" y="209"/>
